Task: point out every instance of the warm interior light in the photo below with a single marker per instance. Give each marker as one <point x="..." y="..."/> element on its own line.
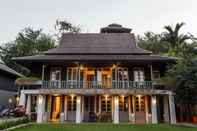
<point x="149" y="115"/>
<point x="114" y="66"/>
<point x="108" y="76"/>
<point x="132" y="114"/>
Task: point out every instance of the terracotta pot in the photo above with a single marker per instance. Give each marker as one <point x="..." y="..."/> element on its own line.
<point x="194" y="118"/>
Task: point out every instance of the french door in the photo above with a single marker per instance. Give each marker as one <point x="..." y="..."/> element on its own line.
<point x="75" y="77"/>
<point x="55" y="77"/>
<point x="140" y="114"/>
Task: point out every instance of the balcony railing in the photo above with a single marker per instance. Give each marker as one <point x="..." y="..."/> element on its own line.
<point x="96" y="84"/>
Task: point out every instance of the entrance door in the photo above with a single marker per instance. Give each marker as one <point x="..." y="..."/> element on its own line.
<point x="89" y="103"/>
<point x="55" y="108"/>
<point x="140" y="115"/>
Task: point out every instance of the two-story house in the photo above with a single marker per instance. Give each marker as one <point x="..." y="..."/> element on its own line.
<point x="99" y="77"/>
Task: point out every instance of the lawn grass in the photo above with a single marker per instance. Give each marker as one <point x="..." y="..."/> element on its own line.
<point x="103" y="127"/>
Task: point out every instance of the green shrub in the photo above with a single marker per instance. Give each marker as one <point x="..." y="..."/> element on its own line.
<point x="8" y="124"/>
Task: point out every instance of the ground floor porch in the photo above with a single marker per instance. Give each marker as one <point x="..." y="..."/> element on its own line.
<point x="135" y="108"/>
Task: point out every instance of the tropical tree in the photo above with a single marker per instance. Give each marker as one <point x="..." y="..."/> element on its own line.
<point x="28" y="42"/>
<point x="182" y="78"/>
<point x="63" y="26"/>
<point x="174" y="38"/>
<point x="152" y="42"/>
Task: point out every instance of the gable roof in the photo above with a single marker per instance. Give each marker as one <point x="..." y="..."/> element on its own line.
<point x="114" y="43"/>
<point x="97" y="43"/>
<point x="7" y="69"/>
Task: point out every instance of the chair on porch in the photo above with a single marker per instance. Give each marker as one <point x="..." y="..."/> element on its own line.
<point x="92" y="117"/>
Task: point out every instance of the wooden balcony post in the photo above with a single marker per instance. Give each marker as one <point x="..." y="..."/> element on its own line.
<point x="151" y="72"/>
<point x="65" y="107"/>
<point x="43" y="67"/>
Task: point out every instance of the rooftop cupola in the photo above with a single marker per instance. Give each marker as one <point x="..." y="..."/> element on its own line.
<point x="115" y="28"/>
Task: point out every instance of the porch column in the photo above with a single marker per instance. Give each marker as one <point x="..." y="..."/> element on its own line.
<point x="129" y="107"/>
<point x="166" y="109"/>
<point x="116" y="110"/>
<point x="172" y="109"/>
<point x="65" y="108"/>
<point x="43" y="67"/>
<point x="49" y="107"/>
<point x="133" y="106"/>
<point x="22" y="99"/>
<point x="82" y="108"/>
<point x="99" y="104"/>
<point x="78" y="110"/>
<point x="154" y="109"/>
<point x="28" y="107"/>
<point x="146" y="109"/>
<point x="40" y="108"/>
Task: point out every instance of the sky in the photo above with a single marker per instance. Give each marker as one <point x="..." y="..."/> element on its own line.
<point x="91" y="15"/>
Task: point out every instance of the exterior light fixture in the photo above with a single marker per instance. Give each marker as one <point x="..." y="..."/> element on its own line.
<point x="81" y="67"/>
<point x="122" y="96"/>
<point x="40" y="100"/>
<point x="116" y="101"/>
<point x="78" y="100"/>
<point x="106" y="97"/>
<point x="154" y="101"/>
<point x="10" y="100"/>
<point x="17" y="99"/>
<point x="138" y="96"/>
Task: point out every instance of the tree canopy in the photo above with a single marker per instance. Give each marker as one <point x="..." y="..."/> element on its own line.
<point x="28" y="42"/>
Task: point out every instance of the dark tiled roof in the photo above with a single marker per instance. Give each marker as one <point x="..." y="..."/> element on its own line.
<point x="43" y="58"/>
<point x="9" y="70"/>
<point x="96" y="47"/>
<point x="116" y="28"/>
<point x="98" y="43"/>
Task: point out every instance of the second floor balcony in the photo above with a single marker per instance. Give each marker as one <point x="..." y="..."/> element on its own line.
<point x="72" y="84"/>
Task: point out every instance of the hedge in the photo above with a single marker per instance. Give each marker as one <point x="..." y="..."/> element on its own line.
<point x="8" y="124"/>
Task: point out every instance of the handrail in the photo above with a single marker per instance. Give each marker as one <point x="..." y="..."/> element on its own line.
<point x="74" y="84"/>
